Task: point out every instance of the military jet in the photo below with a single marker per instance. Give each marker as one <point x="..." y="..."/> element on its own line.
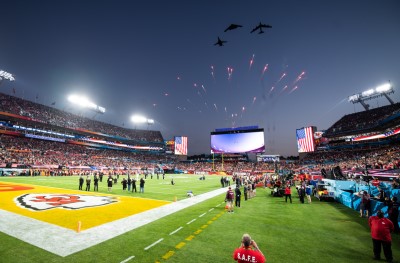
<point x="232" y="26"/>
<point x="260" y="27"/>
<point x="220" y="42"/>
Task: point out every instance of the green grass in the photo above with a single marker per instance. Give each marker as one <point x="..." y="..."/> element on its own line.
<point x="317" y="232"/>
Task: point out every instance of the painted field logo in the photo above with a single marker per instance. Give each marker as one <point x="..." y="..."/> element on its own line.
<point x="39" y="202"/>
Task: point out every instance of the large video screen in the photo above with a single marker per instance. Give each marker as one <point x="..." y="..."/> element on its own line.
<point x="305" y="139"/>
<point x="241" y="141"/>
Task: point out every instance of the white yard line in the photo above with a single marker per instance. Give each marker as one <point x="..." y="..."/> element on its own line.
<point x="173" y="232"/>
<point x="126" y="260"/>
<point x="48" y="236"/>
<point x="155" y="243"/>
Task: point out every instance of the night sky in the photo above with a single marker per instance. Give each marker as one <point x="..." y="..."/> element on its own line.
<point x="158" y="59"/>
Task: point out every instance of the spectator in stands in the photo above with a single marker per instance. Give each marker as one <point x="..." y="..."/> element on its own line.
<point x="381" y="228"/>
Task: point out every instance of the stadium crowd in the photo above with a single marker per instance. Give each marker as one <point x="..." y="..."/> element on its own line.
<point x="52" y="116"/>
<point x="362" y="120"/>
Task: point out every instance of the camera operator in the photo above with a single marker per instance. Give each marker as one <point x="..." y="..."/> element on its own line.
<point x="248" y="251"/>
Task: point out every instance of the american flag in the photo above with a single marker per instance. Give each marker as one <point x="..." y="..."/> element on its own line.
<point x="305" y="139"/>
<point x="181" y="145"/>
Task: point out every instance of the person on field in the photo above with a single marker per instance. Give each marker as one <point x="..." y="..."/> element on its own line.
<point x="134" y="185"/>
<point x="288" y="193"/>
<point x="95" y="183"/>
<point x="141" y="185"/>
<point x="88" y="183"/>
<point x="308" y="193"/>
<point x="365" y="204"/>
<point x="229" y="199"/>
<point x="381" y="228"/>
<point x="238" y="195"/>
<point x="81" y="180"/>
<point x="124" y="183"/>
<point x="248" y="251"/>
<point x="110" y="183"/>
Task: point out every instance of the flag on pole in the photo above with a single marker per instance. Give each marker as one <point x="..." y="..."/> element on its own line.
<point x="181" y="145"/>
<point x="13" y="90"/>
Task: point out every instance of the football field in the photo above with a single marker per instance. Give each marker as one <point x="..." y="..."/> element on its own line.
<point x="46" y="219"/>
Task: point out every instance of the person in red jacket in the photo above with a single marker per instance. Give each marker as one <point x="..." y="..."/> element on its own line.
<point x="288" y="193"/>
<point x="248" y="251"/>
<point x="381" y="228"/>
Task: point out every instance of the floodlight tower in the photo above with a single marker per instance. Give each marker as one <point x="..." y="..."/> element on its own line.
<point x="85" y="103"/>
<point x="5" y="75"/>
<point x="137" y="119"/>
<point x="383" y="90"/>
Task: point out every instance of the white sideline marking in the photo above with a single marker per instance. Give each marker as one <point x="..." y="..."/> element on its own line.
<point x="173" y="232"/>
<point x="155" y="243"/>
<point x="48" y="236"/>
<point x="126" y="260"/>
<point x="191" y="221"/>
<point x="202" y="214"/>
<point x="210" y="209"/>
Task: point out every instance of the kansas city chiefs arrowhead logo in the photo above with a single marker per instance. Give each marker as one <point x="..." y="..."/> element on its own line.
<point x="39" y="202"/>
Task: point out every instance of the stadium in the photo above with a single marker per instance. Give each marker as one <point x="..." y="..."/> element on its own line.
<point x="179" y="212"/>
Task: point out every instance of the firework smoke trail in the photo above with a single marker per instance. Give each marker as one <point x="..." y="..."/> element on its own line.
<point x="283" y="75"/>
<point x="251" y="62"/>
<point x="271" y="90"/>
<point x="284" y="88"/>
<point x="226" y="110"/>
<point x="254" y="100"/>
<point x="295" y="88"/>
<point x="263" y="71"/>
<point x="205" y="91"/>
<point x="230" y="71"/>
<point x="215" y="105"/>
<point x="198" y="93"/>
<point x="212" y="72"/>
<point x="299" y="77"/>
<point x="243" y="109"/>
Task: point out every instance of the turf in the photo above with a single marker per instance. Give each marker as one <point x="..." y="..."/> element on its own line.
<point x="317" y="232"/>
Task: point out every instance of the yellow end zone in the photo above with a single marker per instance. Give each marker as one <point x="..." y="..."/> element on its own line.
<point x="66" y="208"/>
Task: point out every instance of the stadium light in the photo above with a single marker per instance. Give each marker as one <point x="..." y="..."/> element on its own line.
<point x="6" y="75"/>
<point x="138" y="119"/>
<point x="84" y="102"/>
<point x="383" y="88"/>
<point x="141" y="119"/>
<point x="368" y="92"/>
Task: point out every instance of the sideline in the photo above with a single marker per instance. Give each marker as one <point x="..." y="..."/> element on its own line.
<point x="48" y="236"/>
